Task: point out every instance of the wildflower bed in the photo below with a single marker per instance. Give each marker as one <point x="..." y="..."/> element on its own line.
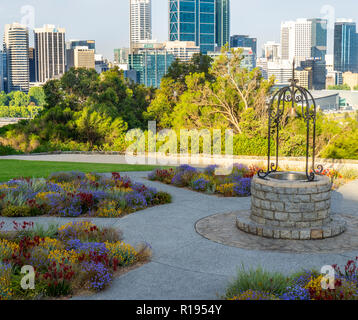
<point x="306" y="285"/>
<point x="75" y="258"/>
<point x="74" y="194"/>
<point x="237" y="184"/>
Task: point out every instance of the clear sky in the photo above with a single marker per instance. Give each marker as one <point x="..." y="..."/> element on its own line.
<point x="107" y="21"/>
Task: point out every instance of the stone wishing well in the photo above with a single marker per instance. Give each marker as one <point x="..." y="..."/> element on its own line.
<point x="291" y="205"/>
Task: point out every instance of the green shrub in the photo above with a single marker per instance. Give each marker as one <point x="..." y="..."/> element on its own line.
<point x="17" y="211"/>
<point x="257" y="280"/>
<point x="162" y="198"/>
<point x="7" y="150"/>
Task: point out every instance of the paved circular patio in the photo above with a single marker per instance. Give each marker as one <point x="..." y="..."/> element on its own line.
<point x="185" y="264"/>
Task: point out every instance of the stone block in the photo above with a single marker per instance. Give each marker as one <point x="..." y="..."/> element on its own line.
<point x="287" y="224"/>
<point x="268" y="233"/>
<point x="296" y="217"/>
<point x="302" y="225"/>
<point x="306" y="207"/>
<point x="305" y="235"/>
<point x="301" y="198"/>
<point x="272" y="196"/>
<point x="310" y="216"/>
<point x="292" y="207"/>
<point x="277" y="206"/>
<point x="286" y="234"/>
<point x="281" y="216"/>
<point x="276" y="234"/>
<point x="316" y="234"/>
<point x="295" y="235"/>
<point x="268" y="214"/>
<point x="265" y="204"/>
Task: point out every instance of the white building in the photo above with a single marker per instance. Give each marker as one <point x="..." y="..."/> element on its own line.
<point x="182" y="50"/>
<point x="281" y="70"/>
<point x="140" y="20"/>
<point x="303" y="39"/>
<point x="16" y="46"/>
<point x="50" y="61"/>
<point x="272" y="51"/>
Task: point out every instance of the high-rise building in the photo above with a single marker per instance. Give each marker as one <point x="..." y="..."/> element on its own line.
<point x="151" y="64"/>
<point x="90" y="44"/>
<point x="242" y="41"/>
<point x="2" y="70"/>
<point x="182" y="50"/>
<point x="32" y="64"/>
<point x="140" y="21"/>
<point x="272" y="51"/>
<point x="248" y="58"/>
<point x="16" y="46"/>
<point x="350" y="79"/>
<point x="303" y="39"/>
<point x="193" y="21"/>
<point x="80" y="57"/>
<point x="282" y="71"/>
<point x="222" y="22"/>
<point x="319" y="72"/>
<point x="121" y="55"/>
<point x="345" y="46"/>
<point x="101" y="64"/>
<point x="50" y="52"/>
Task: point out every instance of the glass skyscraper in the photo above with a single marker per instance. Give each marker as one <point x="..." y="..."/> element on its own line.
<point x="222" y="22"/>
<point x="151" y="65"/>
<point x="193" y="20"/>
<point x="241" y="41"/>
<point x="345" y="46"/>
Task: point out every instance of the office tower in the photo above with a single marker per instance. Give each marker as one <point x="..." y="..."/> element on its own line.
<point x="351" y="79"/>
<point x="272" y="51"/>
<point x="287" y="40"/>
<point x="303" y="39"/>
<point x="151" y="64"/>
<point x="49" y="52"/>
<point x="140" y="21"/>
<point x="16" y="46"/>
<point x="193" y="21"/>
<point x="90" y="44"/>
<point x="304" y="77"/>
<point x="32" y="64"/>
<point x="182" y="50"/>
<point x="2" y="70"/>
<point x="282" y="71"/>
<point x="80" y="57"/>
<point x="248" y="58"/>
<point x="242" y="41"/>
<point x="319" y="72"/>
<point x="121" y="55"/>
<point x="345" y="46"/>
<point x="222" y="22"/>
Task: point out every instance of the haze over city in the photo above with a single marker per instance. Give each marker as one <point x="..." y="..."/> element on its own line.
<point x="107" y="21"/>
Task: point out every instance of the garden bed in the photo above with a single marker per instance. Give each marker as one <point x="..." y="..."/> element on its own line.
<point x="76" y="258"/>
<point x="306" y="285"/>
<point x="76" y="194"/>
<point x="236" y="184"/>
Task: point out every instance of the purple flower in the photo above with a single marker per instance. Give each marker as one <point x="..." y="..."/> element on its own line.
<point x="99" y="275"/>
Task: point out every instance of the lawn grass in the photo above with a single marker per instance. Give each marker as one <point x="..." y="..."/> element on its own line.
<point x="10" y="169"/>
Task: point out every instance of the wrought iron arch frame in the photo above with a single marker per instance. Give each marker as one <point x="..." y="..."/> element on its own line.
<point x="294" y="94"/>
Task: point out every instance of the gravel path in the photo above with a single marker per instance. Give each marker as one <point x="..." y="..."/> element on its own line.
<point x="187" y="266"/>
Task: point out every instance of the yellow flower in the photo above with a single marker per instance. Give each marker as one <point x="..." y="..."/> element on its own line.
<point x="7" y="248"/>
<point x="124" y="253"/>
<point x="61" y="256"/>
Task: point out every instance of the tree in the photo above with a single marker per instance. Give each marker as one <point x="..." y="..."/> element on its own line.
<point x="340" y="87"/>
<point x="18" y="99"/>
<point x="4" y="99"/>
<point x="37" y="96"/>
<point x="235" y="92"/>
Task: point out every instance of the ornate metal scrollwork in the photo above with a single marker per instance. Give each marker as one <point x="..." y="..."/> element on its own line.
<point x="292" y="94"/>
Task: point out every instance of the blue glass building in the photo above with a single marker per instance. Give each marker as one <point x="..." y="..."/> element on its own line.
<point x="193" y="20"/>
<point x="151" y="65"/>
<point x="345" y="47"/>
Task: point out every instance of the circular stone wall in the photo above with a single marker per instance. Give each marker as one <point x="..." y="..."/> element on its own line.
<point x="284" y="209"/>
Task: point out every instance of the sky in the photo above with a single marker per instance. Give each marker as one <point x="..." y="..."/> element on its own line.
<point x="107" y="21"/>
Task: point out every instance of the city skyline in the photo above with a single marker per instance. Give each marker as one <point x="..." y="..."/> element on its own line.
<point x="117" y="16"/>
